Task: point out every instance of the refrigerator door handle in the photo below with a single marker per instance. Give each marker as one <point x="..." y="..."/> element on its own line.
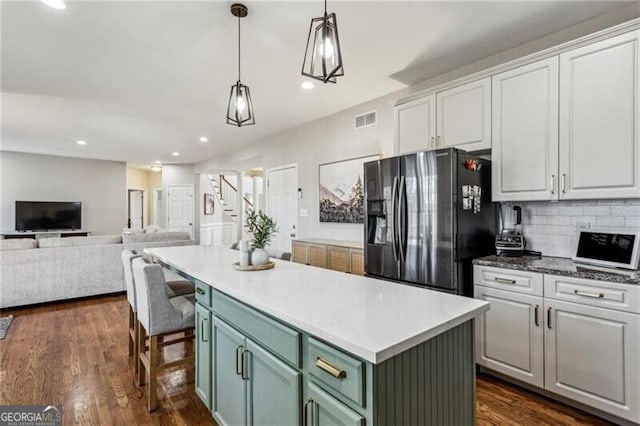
<point x="402" y="218"/>
<point x="394" y="212"/>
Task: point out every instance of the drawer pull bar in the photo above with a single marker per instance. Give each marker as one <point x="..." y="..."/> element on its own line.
<point x="305" y="415"/>
<point x="504" y="280"/>
<point x="588" y="294"/>
<point x="330" y="368"/>
<point x="199" y="290"/>
<point x="202" y="333"/>
<point x="239" y="360"/>
<point x="243" y="373"/>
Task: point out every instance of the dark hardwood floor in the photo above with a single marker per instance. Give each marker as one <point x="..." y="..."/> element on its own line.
<point x="75" y="354"/>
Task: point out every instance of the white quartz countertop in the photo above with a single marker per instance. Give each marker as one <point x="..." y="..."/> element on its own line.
<point x="370" y="318"/>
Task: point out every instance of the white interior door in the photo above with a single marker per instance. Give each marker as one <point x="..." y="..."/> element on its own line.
<point x="282" y="204"/>
<point x="136" y="209"/>
<point x="180" y="208"/>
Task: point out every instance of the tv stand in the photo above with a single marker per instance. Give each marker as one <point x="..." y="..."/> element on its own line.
<point x="62" y="233"/>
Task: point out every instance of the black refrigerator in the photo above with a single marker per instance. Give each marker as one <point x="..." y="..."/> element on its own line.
<point x="428" y="215"/>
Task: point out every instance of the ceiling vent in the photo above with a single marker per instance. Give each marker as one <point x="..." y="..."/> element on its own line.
<point x="365" y="120"/>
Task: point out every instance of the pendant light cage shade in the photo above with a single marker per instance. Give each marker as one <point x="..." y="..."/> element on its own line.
<point x="240" y="109"/>
<point x="323" y="56"/>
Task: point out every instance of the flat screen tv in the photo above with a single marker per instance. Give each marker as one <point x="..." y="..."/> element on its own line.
<point x="48" y="215"/>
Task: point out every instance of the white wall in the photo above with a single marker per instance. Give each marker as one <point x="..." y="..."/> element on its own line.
<point x="99" y="185"/>
<point x="326" y="140"/>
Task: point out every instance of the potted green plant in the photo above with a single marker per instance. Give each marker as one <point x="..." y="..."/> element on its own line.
<point x="262" y="228"/>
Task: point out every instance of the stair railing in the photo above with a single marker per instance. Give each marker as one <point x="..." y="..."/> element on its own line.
<point x="229" y="194"/>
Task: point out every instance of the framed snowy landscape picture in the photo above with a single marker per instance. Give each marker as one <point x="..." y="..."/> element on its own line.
<point x="342" y="190"/>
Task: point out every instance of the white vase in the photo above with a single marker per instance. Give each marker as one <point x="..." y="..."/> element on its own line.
<point x="259" y="256"/>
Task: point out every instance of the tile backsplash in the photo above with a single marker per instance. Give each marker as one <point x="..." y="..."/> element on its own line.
<point x="552" y="227"/>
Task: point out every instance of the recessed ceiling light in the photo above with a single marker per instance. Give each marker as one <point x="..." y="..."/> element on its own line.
<point x="155" y="168"/>
<point x="158" y="162"/>
<point x="81" y="142"/>
<point x="55" y="4"/>
<point x="175" y="154"/>
<point x="307" y="85"/>
<point x="204" y="139"/>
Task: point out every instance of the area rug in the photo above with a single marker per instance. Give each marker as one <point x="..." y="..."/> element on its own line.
<point x="4" y="325"/>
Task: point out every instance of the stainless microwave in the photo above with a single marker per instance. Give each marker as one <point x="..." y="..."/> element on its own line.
<point x="612" y="249"/>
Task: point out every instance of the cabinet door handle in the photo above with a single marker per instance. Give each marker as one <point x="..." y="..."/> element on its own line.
<point x="202" y="333"/>
<point x="305" y="416"/>
<point x="588" y="294"/>
<point x="239" y="350"/>
<point x="504" y="280"/>
<point x="549" y="318"/>
<point x="327" y="367"/>
<point x="553" y="184"/>
<point x="535" y="315"/>
<point x="243" y="365"/>
<point x="564" y="182"/>
<point x="199" y="290"/>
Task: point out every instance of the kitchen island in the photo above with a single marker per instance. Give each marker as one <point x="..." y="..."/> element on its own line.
<point x="304" y="345"/>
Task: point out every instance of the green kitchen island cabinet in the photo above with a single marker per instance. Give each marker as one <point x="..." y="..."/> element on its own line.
<point x="203" y="354"/>
<point x="298" y="345"/>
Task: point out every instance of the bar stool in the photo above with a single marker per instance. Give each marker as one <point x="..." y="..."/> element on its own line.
<point x="159" y="316"/>
<point x="175" y="286"/>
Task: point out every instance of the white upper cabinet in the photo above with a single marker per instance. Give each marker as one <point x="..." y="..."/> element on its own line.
<point x="415" y="125"/>
<point x="525" y="132"/>
<point x="464" y="116"/>
<point x="599" y="118"/>
<point x="562" y="128"/>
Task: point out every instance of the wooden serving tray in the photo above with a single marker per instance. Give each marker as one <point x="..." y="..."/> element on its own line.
<point x="268" y="265"/>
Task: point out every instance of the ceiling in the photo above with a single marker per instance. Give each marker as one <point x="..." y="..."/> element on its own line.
<point x="140" y="80"/>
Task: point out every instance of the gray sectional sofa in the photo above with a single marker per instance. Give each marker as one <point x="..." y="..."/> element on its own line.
<point x="65" y="268"/>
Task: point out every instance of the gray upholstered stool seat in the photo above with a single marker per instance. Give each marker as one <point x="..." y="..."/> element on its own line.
<point x="186" y="305"/>
<point x="159" y="315"/>
<point x="176" y="285"/>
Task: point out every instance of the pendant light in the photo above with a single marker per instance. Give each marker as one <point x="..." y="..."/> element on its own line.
<point x="323" y="57"/>
<point x="240" y="109"/>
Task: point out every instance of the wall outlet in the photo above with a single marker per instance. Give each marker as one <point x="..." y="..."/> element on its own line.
<point x="304" y="212"/>
<point x="582" y="226"/>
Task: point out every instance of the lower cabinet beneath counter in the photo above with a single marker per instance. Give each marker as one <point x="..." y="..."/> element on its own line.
<point x="247" y="374"/>
<point x="324" y="254"/>
<point x="570" y="343"/>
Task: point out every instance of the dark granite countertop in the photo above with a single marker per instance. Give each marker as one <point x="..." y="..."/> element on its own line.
<point x="560" y="266"/>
